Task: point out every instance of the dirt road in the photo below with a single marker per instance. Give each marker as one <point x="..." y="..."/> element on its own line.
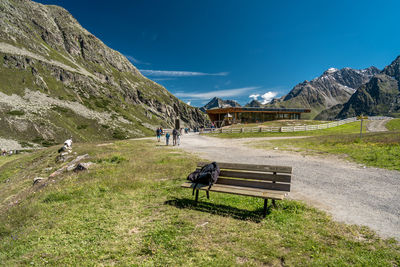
<point x="351" y="193"/>
<point x="377" y="125"/>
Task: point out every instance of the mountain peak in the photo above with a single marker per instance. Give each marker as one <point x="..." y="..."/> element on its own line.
<point x="330" y="70"/>
<point x="217" y="102"/>
<point x="254" y="104"/>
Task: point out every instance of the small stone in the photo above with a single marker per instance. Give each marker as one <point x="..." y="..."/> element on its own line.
<point x="83" y="166"/>
<point x="37" y="180"/>
<point x="71" y="167"/>
<point x="80" y="167"/>
<point x="276" y="148"/>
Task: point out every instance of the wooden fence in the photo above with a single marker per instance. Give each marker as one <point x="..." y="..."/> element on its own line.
<point x="285" y="129"/>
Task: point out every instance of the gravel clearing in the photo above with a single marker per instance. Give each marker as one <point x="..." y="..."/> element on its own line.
<point x="377" y="126"/>
<point x="350" y="192"/>
<point x="8" y="144"/>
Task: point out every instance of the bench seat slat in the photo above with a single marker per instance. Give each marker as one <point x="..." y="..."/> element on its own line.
<point x="256" y="176"/>
<point x="261" y="193"/>
<point x="254" y="184"/>
<point x="262" y="176"/>
<point x="251" y="167"/>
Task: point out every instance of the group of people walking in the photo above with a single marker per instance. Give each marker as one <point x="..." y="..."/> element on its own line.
<point x="176" y="136"/>
<point x="4" y="152"/>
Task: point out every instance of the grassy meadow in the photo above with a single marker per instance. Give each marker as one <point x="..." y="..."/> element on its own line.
<point x="130" y="210"/>
<point x="393" y="125"/>
<point x="381" y="149"/>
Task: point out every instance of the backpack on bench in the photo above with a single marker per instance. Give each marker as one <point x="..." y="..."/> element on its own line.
<point x="207" y="175"/>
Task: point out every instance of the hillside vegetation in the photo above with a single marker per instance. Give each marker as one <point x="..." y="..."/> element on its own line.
<point x="58" y="80"/>
<point x="130" y="210"/>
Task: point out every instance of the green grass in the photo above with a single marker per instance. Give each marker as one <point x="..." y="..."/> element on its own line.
<point x="374" y="149"/>
<point x="393" y="125"/>
<point x="130" y="210"/>
<point x="349" y="128"/>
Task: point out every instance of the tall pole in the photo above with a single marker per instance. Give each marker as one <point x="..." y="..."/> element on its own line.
<point x="361" y="126"/>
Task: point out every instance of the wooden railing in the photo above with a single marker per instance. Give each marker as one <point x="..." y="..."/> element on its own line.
<point x="285" y="129"/>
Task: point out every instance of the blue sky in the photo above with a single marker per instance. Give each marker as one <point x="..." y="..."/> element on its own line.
<point x="234" y="49"/>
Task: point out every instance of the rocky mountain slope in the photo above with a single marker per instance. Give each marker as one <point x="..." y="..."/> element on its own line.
<point x="254" y="104"/>
<point x="380" y="96"/>
<point x="59" y="80"/>
<point x="219" y="103"/>
<point x="333" y="87"/>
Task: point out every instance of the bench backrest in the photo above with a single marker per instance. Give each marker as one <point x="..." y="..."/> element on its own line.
<point x="254" y="175"/>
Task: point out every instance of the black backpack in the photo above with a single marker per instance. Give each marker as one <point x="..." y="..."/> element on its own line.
<point x="207" y="175"/>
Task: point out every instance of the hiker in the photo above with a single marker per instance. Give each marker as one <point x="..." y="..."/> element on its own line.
<point x="178" y="138"/>
<point x="167" y="138"/>
<point x="68" y="143"/>
<point x="174" y="135"/>
<point x="158" y="133"/>
<point x="62" y="149"/>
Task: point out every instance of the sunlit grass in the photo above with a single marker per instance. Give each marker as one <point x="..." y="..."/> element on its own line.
<point x="130" y="210"/>
<point x="374" y="149"/>
<point x="393" y="125"/>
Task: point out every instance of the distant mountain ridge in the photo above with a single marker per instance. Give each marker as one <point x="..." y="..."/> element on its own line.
<point x="217" y="102"/>
<point x="340" y="93"/>
<point x="333" y="87"/>
<point x="379" y="96"/>
<point x="254" y="104"/>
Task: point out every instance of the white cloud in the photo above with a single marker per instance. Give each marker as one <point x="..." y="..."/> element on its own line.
<point x="219" y="93"/>
<point x="268" y="96"/>
<point x="173" y="73"/>
<point x="163" y="79"/>
<point x="254" y="96"/>
<point x="135" y="60"/>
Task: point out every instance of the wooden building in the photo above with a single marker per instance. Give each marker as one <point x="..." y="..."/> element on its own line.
<point x="232" y="115"/>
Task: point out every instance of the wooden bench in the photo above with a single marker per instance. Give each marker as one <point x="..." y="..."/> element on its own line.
<point x="263" y="181"/>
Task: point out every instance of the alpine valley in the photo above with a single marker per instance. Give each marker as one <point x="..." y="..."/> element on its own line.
<point x="58" y="80"/>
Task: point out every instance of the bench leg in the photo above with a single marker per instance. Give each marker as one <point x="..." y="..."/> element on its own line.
<point x="208" y="194"/>
<point x="197" y="196"/>
<point x="265" y="207"/>
<point x="273" y="203"/>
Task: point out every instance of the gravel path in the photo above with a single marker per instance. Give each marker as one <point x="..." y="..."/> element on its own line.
<point x="9" y="144"/>
<point x="377" y="126"/>
<point x="351" y="193"/>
